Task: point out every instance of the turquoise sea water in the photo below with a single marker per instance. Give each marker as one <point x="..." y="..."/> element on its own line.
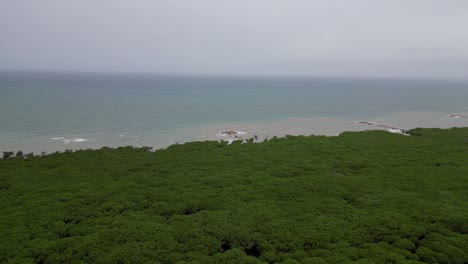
<point x="40" y="111"/>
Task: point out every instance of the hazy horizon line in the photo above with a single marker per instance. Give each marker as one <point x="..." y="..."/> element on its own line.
<point x="232" y="76"/>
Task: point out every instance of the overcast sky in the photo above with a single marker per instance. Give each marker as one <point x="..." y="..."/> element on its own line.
<point x="388" y="38"/>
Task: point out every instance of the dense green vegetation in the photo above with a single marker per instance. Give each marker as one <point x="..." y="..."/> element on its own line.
<point x="364" y="197"/>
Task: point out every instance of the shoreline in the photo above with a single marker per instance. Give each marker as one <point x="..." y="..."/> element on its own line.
<point x="398" y="122"/>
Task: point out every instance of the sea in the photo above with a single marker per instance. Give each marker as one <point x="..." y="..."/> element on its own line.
<point x="48" y="112"/>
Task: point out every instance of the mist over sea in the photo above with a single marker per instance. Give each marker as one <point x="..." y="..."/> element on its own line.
<point x="49" y="112"/>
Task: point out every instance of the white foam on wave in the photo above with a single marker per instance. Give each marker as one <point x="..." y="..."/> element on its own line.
<point x="457" y="116"/>
<point x="74" y="140"/>
<point x="58" y="138"/>
<point x="394" y="130"/>
<point x="231" y="133"/>
<point x="127" y="136"/>
<point x="397" y="131"/>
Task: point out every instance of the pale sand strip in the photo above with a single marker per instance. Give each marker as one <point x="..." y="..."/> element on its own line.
<point x="398" y="122"/>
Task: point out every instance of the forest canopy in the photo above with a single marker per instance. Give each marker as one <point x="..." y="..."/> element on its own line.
<point x="361" y="197"/>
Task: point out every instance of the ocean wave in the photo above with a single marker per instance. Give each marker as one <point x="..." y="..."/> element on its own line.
<point x="388" y="128"/>
<point x="391" y="130"/>
<point x="231" y="133"/>
<point x="128" y="136"/>
<point x="457" y="116"/>
<point x="74" y="140"/>
<point x="70" y="140"/>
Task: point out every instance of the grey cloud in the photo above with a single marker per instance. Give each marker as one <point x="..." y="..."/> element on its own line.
<point x="397" y="38"/>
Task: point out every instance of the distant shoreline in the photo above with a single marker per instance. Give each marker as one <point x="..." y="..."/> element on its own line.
<point x="257" y="132"/>
<point x="54" y="112"/>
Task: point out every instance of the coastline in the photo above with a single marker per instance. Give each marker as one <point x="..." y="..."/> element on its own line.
<point x="398" y="122"/>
